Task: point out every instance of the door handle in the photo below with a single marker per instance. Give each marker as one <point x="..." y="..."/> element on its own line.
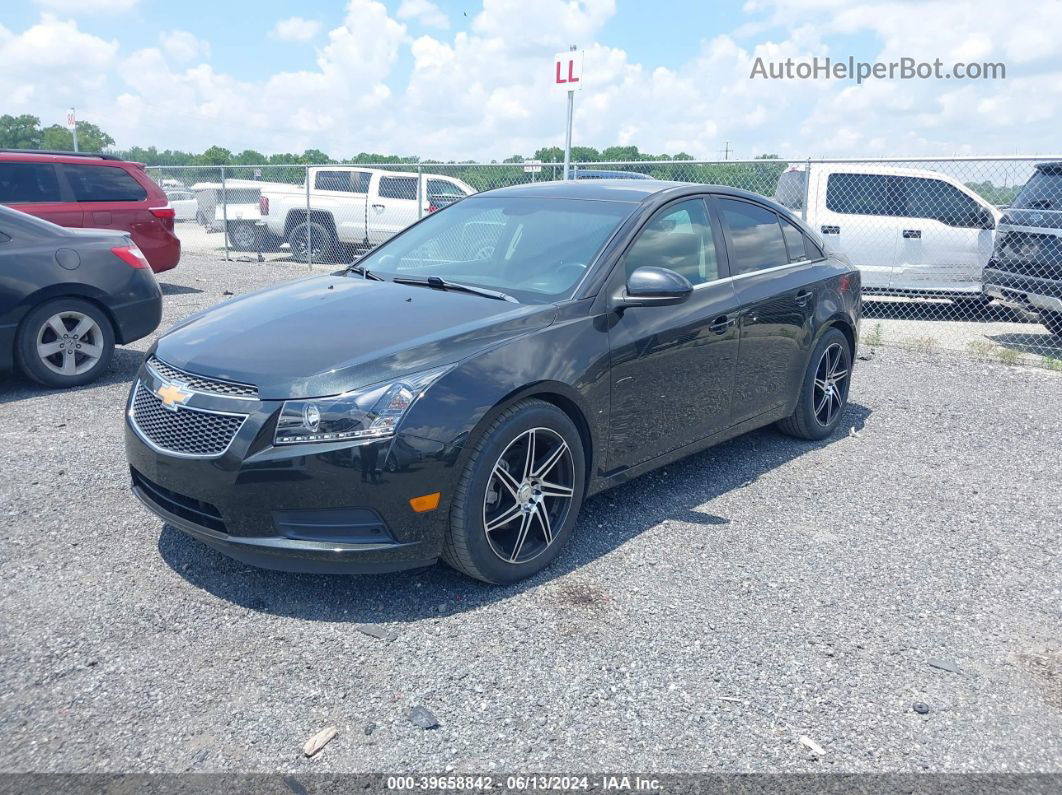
<point x="377" y="207"/>
<point x="802" y="297"/>
<point x="721" y="324"/>
<point x="830" y="230"/>
<point x="912" y="233"/>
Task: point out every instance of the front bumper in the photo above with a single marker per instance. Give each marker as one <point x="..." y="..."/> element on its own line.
<point x="339" y="507"/>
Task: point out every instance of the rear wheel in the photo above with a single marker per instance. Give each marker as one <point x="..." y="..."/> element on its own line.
<point x="311" y="239"/>
<point x="1052" y="322"/>
<point x="244" y="236"/>
<point x="66" y="342"/>
<point x="519" y="496"/>
<point x="824" y="390"/>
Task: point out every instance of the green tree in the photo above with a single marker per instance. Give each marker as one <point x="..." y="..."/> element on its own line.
<point x="621" y="153"/>
<point x="215" y="156"/>
<point x="249" y="157"/>
<point x="314" y="156"/>
<point x="550" y="154"/>
<point x="585" y="154"/>
<point x="90" y="138"/>
<point x="20" y="132"/>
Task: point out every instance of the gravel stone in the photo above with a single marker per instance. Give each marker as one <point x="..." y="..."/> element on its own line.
<point x="934" y="534"/>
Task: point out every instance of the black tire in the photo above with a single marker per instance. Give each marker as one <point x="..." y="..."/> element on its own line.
<point x="37" y="328"/>
<point x="806" y="422"/>
<point x="308" y="233"/>
<point x="466" y="546"/>
<point x="1052" y="322"/>
<point x="244" y="236"/>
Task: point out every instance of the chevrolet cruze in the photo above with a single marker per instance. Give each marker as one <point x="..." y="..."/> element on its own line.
<point x="458" y="392"/>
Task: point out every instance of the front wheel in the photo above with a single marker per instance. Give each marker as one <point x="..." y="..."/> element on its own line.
<point x="66" y="342"/>
<point x="519" y="496"/>
<point x="823" y="391"/>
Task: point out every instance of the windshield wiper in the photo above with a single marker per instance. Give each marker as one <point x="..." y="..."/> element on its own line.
<point x="365" y="272"/>
<point x="442" y="284"/>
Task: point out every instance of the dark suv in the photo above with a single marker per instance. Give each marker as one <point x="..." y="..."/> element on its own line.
<point x="1026" y="266"/>
<point x="93" y="191"/>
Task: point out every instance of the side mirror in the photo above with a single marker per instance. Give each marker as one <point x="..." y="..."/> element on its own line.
<point x="649" y="286"/>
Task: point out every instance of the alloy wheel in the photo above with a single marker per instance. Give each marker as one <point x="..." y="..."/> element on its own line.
<point x="528" y="496"/>
<point x="831" y="383"/>
<point x="70" y="343"/>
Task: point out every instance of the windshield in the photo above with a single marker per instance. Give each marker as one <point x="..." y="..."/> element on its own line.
<point x="536" y="250"/>
<point x="1042" y="192"/>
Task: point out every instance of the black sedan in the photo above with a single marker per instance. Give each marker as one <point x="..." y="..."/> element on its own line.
<point x="461" y="390"/>
<point x="67" y="296"/>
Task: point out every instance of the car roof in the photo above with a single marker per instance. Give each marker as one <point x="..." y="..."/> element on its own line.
<point x="52" y="156"/>
<point x="633" y="191"/>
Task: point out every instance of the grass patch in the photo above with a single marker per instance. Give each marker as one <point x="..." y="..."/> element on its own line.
<point x="1008" y="356"/>
<point x="874" y="337"/>
<point x="921" y="344"/>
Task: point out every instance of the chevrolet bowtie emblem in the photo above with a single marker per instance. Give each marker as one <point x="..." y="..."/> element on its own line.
<point x="172" y="396"/>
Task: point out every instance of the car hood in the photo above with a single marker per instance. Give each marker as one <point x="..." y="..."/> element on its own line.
<point x="325" y="335"/>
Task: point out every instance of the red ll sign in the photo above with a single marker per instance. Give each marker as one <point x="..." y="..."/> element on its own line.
<point x="568" y="70"/>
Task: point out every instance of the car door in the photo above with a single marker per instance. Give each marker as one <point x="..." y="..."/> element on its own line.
<point x="393" y="207"/>
<point x="344" y="194"/>
<point x="108" y="197"/>
<point x="34" y="188"/>
<point x="673" y="366"/>
<point x="777" y="294"/>
<point x="859" y="218"/>
<point x="946" y="238"/>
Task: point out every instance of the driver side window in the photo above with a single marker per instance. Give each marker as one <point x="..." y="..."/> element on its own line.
<point x="678" y="238"/>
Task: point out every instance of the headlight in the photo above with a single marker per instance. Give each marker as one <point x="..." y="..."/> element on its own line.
<point x="369" y="413"/>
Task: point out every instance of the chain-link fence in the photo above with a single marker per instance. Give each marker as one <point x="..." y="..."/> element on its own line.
<point x="960" y="254"/>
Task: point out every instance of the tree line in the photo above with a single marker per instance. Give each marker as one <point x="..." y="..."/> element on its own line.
<point x="25" y="132"/>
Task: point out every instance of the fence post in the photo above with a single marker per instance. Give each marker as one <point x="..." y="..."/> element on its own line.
<point x="420" y="197"/>
<point x="309" y="226"/>
<point x="225" y="213"/>
<point x="807" y="191"/>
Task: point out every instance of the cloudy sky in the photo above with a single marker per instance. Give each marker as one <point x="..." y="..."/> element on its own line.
<point x="470" y="78"/>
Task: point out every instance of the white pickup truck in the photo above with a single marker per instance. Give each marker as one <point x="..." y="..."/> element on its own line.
<point x="352" y="207"/>
<point x="910" y="232"/>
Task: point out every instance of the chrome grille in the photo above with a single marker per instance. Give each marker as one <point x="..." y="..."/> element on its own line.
<point x="186" y="431"/>
<point x="200" y="383"/>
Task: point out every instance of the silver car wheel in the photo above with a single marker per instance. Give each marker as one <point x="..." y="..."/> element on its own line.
<point x="528" y="495"/>
<point x="70" y="343"/>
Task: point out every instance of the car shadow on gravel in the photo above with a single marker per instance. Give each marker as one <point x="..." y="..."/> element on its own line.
<point x="608" y="521"/>
<point x="177" y="289"/>
<point x="14" y="386"/>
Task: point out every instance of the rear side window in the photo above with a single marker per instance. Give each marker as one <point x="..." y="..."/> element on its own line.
<point x="794" y="241"/>
<point x="755" y="237"/>
<point x="28" y="182"/>
<point x="103" y="184"/>
<point x="858" y="194"/>
<point x="398" y="187"/>
<point x="347" y="181"/>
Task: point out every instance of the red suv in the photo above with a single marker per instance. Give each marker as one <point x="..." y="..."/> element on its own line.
<point x="93" y="191"/>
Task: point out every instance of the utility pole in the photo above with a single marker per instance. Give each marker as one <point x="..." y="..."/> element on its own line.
<point x="568" y="137"/>
<point x="726" y="151"/>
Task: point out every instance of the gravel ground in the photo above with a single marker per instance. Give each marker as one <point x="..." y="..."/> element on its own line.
<point x="704" y="617"/>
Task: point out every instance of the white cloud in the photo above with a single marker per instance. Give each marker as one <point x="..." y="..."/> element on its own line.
<point x="183" y="46"/>
<point x="485" y="92"/>
<point x="425" y="12"/>
<point x="88" y="6"/>
<point x="296" y="29"/>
